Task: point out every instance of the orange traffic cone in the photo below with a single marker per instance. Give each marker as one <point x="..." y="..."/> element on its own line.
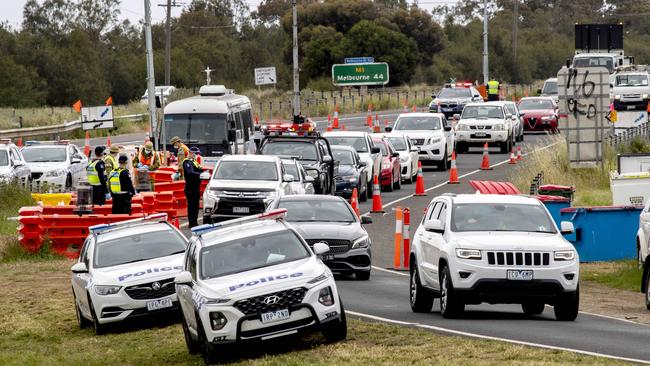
<point x="377" y="206"/>
<point x="336" y="118"/>
<point x="354" y="202"/>
<point x="513" y="160"/>
<point x="19" y="143"/>
<point x="485" y="164"/>
<point x="453" y="172"/>
<point x="329" y="128"/>
<point x="369" y="118"/>
<point x="108" y="141"/>
<point x="87" y="145"/>
<point x="419" y="183"/>
<point x="647" y="109"/>
<point x="415" y="108"/>
<point x="519" y="156"/>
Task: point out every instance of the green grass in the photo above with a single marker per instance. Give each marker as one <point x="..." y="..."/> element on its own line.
<point x="39" y="328"/>
<point x="623" y="275"/>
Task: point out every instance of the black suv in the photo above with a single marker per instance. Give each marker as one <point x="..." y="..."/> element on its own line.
<point x="313" y="152"/>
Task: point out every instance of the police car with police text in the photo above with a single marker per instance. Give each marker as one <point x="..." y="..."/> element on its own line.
<point x="126" y="270"/>
<point x="255" y="278"/>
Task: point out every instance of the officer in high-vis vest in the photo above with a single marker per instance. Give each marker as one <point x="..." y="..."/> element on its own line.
<point x="110" y="160"/>
<point x="96" y="173"/>
<point x="147" y="158"/>
<point x="192" y="172"/>
<point x="182" y="152"/>
<point x="493" y="90"/>
<point x="121" y="187"/>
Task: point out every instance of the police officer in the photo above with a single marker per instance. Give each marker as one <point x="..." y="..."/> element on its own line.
<point x="121" y="187"/>
<point x="97" y="177"/>
<point x="192" y="172"/>
<point x="110" y="160"/>
<point x="493" y="90"/>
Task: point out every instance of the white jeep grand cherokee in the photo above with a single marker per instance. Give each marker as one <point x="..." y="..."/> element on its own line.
<point x="471" y="249"/>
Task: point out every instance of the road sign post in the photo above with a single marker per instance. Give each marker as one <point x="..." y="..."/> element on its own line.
<point x="93" y="118"/>
<point x="375" y="73"/>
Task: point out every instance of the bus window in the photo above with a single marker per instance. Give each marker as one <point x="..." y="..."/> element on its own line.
<point x="247" y="120"/>
<point x="197" y="128"/>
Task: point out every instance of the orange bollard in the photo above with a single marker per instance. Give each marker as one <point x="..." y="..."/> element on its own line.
<point x="398" y="236"/>
<point x="377" y="206"/>
<point x="512" y="157"/>
<point x="453" y="172"/>
<point x="335" y="125"/>
<point x="87" y="145"/>
<point x="354" y="202"/>
<point x="369" y="118"/>
<point x="485" y="164"/>
<point x="407" y="237"/>
<point x="108" y="141"/>
<point x="19" y="143"/>
<point x="419" y="183"/>
<point x="519" y="156"/>
<point x="647" y="109"/>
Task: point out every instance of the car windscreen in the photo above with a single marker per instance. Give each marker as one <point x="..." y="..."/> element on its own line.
<point x="550" y="87"/>
<point x="455" y="93"/>
<point x="300" y="150"/>
<point x="595" y="61"/>
<point x="291" y="169"/>
<point x="44" y="154"/>
<point x="533" y="104"/>
<point x="317" y="211"/>
<point x="398" y="143"/>
<point x="246" y="170"/>
<point x="632" y="80"/>
<point x="138" y="247"/>
<point x="418" y="123"/>
<point x="343" y="157"/>
<point x="487" y="111"/>
<point x="251" y="253"/>
<point x="358" y="143"/>
<point x="197" y="128"/>
<point x="500" y="217"/>
<point x="4" y="158"/>
<point x="510" y="107"/>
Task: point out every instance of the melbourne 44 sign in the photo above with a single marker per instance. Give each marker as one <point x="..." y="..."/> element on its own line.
<point x="375" y="73"/>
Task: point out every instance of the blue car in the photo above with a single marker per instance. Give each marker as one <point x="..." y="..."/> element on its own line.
<point x="352" y="172"/>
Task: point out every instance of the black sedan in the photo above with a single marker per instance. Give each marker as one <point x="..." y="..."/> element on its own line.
<point x="352" y="172"/>
<point x="331" y="220"/>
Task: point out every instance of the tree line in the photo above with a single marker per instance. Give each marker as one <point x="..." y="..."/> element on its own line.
<point x="66" y="50"/>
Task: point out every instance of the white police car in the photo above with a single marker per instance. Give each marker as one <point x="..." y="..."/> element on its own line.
<point x="126" y="270"/>
<point x="255" y="278"/>
<point x="59" y="164"/>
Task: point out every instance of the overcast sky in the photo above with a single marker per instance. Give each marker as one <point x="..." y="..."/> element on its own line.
<point x="12" y="10"/>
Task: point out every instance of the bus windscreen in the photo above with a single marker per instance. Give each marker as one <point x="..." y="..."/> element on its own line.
<point x="197" y="128"/>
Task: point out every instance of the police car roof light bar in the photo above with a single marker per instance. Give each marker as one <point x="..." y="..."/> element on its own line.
<point x="277" y="214"/>
<point x="96" y="229"/>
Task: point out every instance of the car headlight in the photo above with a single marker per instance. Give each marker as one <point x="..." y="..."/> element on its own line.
<point x="617" y="97"/>
<point x="362" y="242"/>
<point x="213" y="193"/>
<point x="325" y="296"/>
<point x="564" y="255"/>
<point x="644" y="96"/>
<point x="500" y="127"/>
<point x="547" y="118"/>
<point x="435" y="140"/>
<point x="107" y="290"/>
<point x="349" y="178"/>
<point x="468" y="253"/>
<point x="55" y="173"/>
<point x="269" y="194"/>
<point x="462" y="127"/>
<point x="217" y="320"/>
<point x="312" y="173"/>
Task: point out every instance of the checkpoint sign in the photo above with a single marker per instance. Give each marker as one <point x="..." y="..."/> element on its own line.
<point x="93" y="118"/>
<point x="375" y="73"/>
<point x="265" y="76"/>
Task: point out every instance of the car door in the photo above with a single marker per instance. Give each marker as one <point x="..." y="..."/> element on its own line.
<point x="644" y="225"/>
<point x="186" y="294"/>
<point x="81" y="282"/>
<point x="438" y="242"/>
<point x="427" y="240"/>
<point x="20" y="167"/>
<point x="449" y="136"/>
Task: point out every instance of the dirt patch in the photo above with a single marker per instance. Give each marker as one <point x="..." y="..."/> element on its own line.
<point x="600" y="299"/>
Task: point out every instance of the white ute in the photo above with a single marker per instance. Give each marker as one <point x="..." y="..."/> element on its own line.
<point x="255" y="278"/>
<point x="484" y="122"/>
<point x="474" y="248"/>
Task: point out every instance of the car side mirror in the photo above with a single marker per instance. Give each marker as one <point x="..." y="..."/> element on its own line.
<point x="522" y="114"/>
<point x="18" y="163"/>
<point x="566" y="227"/>
<point x="375" y="150"/>
<point x="447" y="128"/>
<point x="415" y="148"/>
<point x="309" y="179"/>
<point x="456" y="116"/>
<point x="366" y="220"/>
<point x="388" y="129"/>
<point x="434" y="226"/>
<point x="79" y="268"/>
<point x="183" y="278"/>
<point x="75" y="161"/>
<point x="204" y="176"/>
<point x="395" y="155"/>
<point x="321" y="248"/>
<point x="232" y="135"/>
<point x="288" y="178"/>
<point x="362" y="164"/>
<point x="327" y="159"/>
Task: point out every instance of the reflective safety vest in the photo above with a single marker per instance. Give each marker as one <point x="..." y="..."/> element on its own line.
<point x="196" y="165"/>
<point x="493" y="87"/>
<point x="147" y="160"/>
<point x="93" y="175"/>
<point x="114" y="180"/>
<point x="111" y="159"/>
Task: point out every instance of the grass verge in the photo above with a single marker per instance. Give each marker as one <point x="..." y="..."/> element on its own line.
<point x="39" y="327"/>
<point x="624" y="275"/>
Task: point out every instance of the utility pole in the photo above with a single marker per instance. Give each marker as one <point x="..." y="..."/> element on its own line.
<point x="151" y="82"/>
<point x="486" y="76"/>
<point x="168" y="38"/>
<point x="515" y="26"/>
<point x="296" y="71"/>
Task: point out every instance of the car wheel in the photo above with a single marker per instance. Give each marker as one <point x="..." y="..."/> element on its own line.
<point x="362" y="275"/>
<point x="193" y="347"/>
<point x="461" y="148"/>
<point x="81" y="320"/>
<point x="647" y="291"/>
<point x="503" y="148"/>
<point x="566" y="308"/>
<point x="442" y="165"/>
<point x="421" y="298"/>
<point x="68" y="183"/>
<point x="398" y="182"/>
<point x="450" y="303"/>
<point x="369" y="190"/>
<point x="389" y="187"/>
<point x="99" y="328"/>
<point x="363" y="196"/>
<point x="336" y="330"/>
<point x="207" y="349"/>
<point x="521" y="138"/>
<point x="533" y="308"/>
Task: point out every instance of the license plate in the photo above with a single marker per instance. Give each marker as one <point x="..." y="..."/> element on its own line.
<point x="519" y="275"/>
<point x="630" y="107"/>
<point x="159" y="304"/>
<point x="275" y="316"/>
<point x="446" y="109"/>
<point x="328" y="257"/>
<point x="480" y="134"/>
<point x="241" y="209"/>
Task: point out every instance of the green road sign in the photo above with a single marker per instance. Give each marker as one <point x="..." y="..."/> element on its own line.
<point x="360" y="74"/>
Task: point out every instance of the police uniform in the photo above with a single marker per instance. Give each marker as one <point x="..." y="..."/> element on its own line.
<point x="121" y="189"/>
<point x="96" y="174"/>
<point x="192" y="172"/>
<point x="493" y="90"/>
<point x="110" y="160"/>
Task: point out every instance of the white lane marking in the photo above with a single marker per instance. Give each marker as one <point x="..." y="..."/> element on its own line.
<point x="389" y="271"/>
<point x="480" y="336"/>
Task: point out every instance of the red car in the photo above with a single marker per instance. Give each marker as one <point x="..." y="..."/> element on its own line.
<point x="539" y="114"/>
<point x="391" y="177"/>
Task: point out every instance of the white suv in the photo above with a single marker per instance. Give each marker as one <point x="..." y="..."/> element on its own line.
<point x="255" y="278"/>
<point x="430" y="133"/>
<point x="60" y="165"/>
<point x="484" y="122"/>
<point x="368" y="152"/>
<point x="474" y="248"/>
